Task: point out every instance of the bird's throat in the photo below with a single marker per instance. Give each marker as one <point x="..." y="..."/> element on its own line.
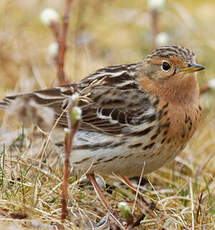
<point x="176" y="90"/>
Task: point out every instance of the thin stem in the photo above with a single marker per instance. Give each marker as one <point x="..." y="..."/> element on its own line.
<point x="154" y="16"/>
<point x="68" y="146"/>
<point x="62" y="44"/>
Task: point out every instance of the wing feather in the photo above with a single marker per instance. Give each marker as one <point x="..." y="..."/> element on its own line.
<point x="111" y="100"/>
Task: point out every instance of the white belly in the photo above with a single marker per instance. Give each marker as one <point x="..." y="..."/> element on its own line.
<point x="103" y="154"/>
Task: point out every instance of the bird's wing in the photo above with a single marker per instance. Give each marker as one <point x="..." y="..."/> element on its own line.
<point x="111" y="99"/>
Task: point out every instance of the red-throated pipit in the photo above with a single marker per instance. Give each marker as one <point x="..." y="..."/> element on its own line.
<point x="134" y="117"/>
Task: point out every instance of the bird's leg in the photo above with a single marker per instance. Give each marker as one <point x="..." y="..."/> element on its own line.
<point x="91" y="178"/>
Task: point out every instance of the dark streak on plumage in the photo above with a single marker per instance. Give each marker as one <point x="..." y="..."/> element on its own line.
<point x="162" y="141"/>
<point x="82" y="161"/>
<point x="168" y="140"/>
<point x="156" y="101"/>
<point x="160" y="114"/>
<point x="165" y="132"/>
<point x="183" y="132"/>
<point x="111" y="159"/>
<point x="154" y="136"/>
<point x="132" y="85"/>
<point x="135" y="145"/>
<point x="99" y="145"/>
<point x="143" y="132"/>
<point x="165" y="113"/>
<point x="166" y="105"/>
<point x="149" y="146"/>
<point x="129" y="155"/>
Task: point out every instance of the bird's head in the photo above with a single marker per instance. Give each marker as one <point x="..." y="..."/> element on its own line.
<point x="170" y="62"/>
<point x="170" y="72"/>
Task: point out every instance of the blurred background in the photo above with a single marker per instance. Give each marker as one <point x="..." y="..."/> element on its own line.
<point x="100" y="33"/>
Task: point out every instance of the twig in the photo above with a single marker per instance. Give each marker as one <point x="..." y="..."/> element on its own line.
<point x="199" y="207"/>
<point x="62" y="44"/>
<point x="192" y="204"/>
<point x="138" y="188"/>
<point x="154" y="16"/>
<point x="73" y="127"/>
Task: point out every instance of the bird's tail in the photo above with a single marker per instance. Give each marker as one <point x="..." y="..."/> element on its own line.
<point x="5" y="103"/>
<point x="52" y="98"/>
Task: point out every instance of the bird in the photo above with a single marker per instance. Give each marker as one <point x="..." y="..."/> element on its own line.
<point x="135" y="117"/>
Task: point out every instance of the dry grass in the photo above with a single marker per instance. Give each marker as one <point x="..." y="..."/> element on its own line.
<point x="101" y="33"/>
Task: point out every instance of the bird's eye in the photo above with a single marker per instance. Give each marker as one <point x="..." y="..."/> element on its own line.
<point x="165" y="66"/>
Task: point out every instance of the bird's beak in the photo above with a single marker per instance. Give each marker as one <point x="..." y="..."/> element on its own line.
<point x="192" y="68"/>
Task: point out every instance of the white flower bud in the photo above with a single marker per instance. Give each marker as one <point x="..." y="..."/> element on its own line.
<point x="125" y="210"/>
<point x="75" y="97"/>
<point x="66" y="130"/>
<point x="162" y="39"/>
<point x="211" y="83"/>
<point x="48" y="16"/>
<point x="123" y="206"/>
<point x="156" y="4"/>
<point x="76" y="114"/>
<point x="53" y="49"/>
